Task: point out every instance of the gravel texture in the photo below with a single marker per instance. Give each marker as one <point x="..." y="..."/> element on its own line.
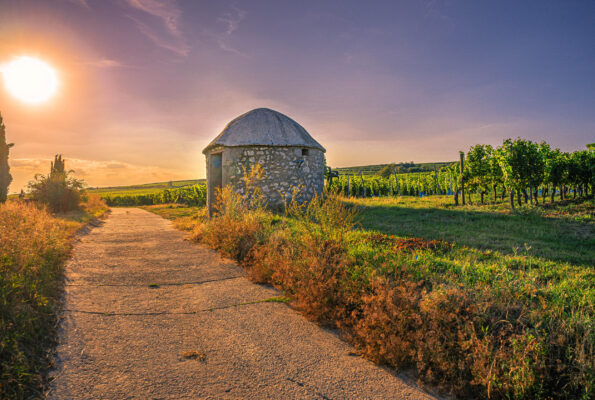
<point x="149" y="315"/>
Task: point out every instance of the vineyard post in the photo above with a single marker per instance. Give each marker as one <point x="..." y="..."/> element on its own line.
<point x="418" y="184"/>
<point x="462" y="166"/>
<point x="348" y="186"/>
<point x="437" y="187"/>
<point x="396" y="182"/>
<point x="361" y="175"/>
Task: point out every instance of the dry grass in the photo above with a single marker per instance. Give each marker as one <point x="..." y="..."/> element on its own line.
<point x="477" y="324"/>
<point x="33" y="247"/>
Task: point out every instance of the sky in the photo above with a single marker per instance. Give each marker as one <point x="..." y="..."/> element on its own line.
<point x="145" y="85"/>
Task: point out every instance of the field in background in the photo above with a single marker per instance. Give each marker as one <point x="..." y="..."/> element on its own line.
<point x="148" y="188"/>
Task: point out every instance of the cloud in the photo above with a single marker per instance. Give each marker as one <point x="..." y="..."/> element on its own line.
<point x="232" y="22"/>
<point x="81" y="3"/>
<point x="95" y="173"/>
<point x="106" y="63"/>
<point x="169" y="34"/>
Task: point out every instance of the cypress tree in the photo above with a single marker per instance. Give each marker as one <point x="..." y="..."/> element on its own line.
<point x="5" y="177"/>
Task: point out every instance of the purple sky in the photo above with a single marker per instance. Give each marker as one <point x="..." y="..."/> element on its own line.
<point x="146" y="84"/>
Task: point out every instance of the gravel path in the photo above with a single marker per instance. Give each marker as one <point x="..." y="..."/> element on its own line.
<point x="152" y="316"/>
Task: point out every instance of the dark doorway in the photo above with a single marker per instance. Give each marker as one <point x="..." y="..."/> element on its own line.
<point x="215" y="180"/>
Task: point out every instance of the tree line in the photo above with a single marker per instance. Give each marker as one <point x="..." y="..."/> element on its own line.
<point x="523" y="169"/>
<point x="519" y="169"/>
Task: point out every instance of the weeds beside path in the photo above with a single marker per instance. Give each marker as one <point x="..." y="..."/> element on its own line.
<point x="33" y="247"/>
<point x="150" y="315"/>
<point x="477" y="323"/>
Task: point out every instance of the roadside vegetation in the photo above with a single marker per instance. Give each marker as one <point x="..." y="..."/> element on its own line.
<point x="34" y="245"/>
<point x="36" y="232"/>
<point x="469" y="315"/>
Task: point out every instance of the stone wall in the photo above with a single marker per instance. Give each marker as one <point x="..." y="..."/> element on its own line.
<point x="284" y="169"/>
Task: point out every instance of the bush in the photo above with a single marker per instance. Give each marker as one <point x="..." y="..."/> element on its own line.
<point x="58" y="190"/>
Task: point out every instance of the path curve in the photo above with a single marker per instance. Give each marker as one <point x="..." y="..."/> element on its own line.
<point x="138" y="297"/>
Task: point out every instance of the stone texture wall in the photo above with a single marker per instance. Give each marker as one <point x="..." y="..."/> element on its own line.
<point x="284" y="169"/>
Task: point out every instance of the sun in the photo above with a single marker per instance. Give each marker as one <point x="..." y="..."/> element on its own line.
<point x="29" y="79"/>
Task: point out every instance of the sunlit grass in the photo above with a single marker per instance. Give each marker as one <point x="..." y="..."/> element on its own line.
<point x="33" y="247"/>
<point x="563" y="233"/>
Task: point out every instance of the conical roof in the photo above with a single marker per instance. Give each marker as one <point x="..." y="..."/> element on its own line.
<point x="264" y="127"/>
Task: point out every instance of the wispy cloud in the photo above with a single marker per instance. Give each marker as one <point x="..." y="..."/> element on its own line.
<point x="167" y="33"/>
<point x="106" y="63"/>
<point x="232" y="22"/>
<point x="81" y="3"/>
<point x="93" y="172"/>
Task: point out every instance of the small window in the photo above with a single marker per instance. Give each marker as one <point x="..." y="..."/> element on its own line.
<point x="305" y="152"/>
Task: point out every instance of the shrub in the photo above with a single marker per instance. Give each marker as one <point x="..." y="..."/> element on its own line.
<point x="59" y="191"/>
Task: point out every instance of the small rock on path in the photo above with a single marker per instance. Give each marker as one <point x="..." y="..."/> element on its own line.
<point x="149" y="315"/>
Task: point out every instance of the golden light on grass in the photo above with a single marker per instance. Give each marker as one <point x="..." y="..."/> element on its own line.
<point x="29" y="79"/>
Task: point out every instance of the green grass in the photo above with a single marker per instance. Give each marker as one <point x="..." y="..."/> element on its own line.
<point x="550" y="233"/>
<point x="173" y="211"/>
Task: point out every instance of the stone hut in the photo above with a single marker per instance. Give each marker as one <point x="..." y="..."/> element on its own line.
<point x="290" y="157"/>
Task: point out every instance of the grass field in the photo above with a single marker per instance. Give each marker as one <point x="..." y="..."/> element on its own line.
<point x="562" y="233"/>
<point x="488" y="304"/>
<point x="148" y="188"/>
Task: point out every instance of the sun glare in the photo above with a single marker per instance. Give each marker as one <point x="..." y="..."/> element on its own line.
<point x="29" y="79"/>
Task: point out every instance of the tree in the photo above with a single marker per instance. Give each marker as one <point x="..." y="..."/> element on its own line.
<point x="58" y="190"/>
<point x="556" y="171"/>
<point x="5" y="177"/>
<point x="387" y="171"/>
<point x="495" y="176"/>
<point x="478" y="168"/>
<point x="522" y="165"/>
<point x="582" y="164"/>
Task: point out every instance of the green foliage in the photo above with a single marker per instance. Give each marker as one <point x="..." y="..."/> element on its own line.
<point x="479" y="167"/>
<point x="521" y="162"/>
<point x="5" y="177"/>
<point x="387" y="171"/>
<point x="58" y="190"/>
<point x="195" y="195"/>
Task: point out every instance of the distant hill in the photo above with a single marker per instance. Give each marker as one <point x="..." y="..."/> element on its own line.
<point x="402" y="168"/>
<point x="146" y="188"/>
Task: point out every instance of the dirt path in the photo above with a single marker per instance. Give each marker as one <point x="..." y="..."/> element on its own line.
<point x="138" y="296"/>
